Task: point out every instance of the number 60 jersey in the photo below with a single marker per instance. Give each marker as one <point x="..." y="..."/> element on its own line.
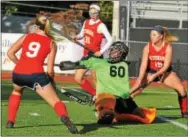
<point x="35" y="49"/>
<point x="111" y="78"/>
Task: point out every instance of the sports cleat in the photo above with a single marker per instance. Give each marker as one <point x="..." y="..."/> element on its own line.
<point x="71" y="127"/>
<point x="9" y="124"/>
<point x="185" y="115"/>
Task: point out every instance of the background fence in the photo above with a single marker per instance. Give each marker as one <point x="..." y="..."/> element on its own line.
<point x="138" y="17"/>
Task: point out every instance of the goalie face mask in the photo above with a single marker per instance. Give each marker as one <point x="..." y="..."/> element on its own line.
<point x="117" y="52"/>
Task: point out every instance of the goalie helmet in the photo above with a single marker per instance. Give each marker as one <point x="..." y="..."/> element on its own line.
<point x="117" y="52"/>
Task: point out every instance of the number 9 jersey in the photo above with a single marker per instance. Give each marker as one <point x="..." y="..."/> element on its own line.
<point x="35" y="49"/>
<point x="111" y="78"/>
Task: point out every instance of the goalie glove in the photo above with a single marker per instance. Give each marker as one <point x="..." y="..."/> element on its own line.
<point x="68" y="65"/>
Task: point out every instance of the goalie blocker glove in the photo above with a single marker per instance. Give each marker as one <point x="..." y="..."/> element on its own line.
<point x="68" y="65"/>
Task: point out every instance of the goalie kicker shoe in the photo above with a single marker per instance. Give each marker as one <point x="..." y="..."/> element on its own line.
<point x="71" y="127"/>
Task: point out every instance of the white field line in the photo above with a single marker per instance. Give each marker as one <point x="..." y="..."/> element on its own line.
<point x="34" y="114"/>
<point x="147" y="91"/>
<point x="65" y="101"/>
<point x="185" y="127"/>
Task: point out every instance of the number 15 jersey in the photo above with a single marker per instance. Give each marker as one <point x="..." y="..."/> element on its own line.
<point x="156" y="58"/>
<point x="111" y="78"/>
<point x="35" y="49"/>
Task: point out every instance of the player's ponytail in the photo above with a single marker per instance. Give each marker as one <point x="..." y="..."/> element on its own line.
<point x="44" y="24"/>
<point x="168" y="37"/>
<point x="48" y="28"/>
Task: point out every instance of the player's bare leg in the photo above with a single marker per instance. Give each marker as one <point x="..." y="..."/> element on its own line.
<point x="173" y="81"/>
<point x="49" y="95"/>
<point x="84" y="83"/>
<point x="79" y="74"/>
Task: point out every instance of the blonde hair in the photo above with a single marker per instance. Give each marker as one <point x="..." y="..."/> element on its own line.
<point x="167" y="36"/>
<point x="44" y="24"/>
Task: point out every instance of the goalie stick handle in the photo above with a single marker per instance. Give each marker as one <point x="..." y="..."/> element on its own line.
<point x="45" y="64"/>
<point x="141" y="86"/>
<point x="80" y="44"/>
<point x="72" y="40"/>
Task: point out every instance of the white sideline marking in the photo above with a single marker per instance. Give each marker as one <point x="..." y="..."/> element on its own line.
<point x="64" y="101"/>
<point x="169" y="106"/>
<point x="34" y="114"/>
<point x="173" y="122"/>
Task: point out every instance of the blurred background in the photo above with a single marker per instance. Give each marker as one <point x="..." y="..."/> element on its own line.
<point x="128" y="21"/>
<point x="138" y="17"/>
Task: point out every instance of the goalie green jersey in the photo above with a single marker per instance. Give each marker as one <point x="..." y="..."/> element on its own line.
<point x="111" y="78"/>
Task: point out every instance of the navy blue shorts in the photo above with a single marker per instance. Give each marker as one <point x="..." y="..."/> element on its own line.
<point x="125" y="105"/>
<point x="30" y="80"/>
<point x="159" y="77"/>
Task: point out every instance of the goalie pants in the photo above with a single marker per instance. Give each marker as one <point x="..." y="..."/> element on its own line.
<point x="123" y="108"/>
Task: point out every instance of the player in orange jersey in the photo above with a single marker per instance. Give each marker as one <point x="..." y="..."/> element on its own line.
<point x="156" y="65"/>
<point x="29" y="72"/>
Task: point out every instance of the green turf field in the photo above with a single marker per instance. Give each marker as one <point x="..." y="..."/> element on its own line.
<point x="36" y="118"/>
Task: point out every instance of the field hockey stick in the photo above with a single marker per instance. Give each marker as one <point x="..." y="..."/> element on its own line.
<point x="59" y="36"/>
<point x="141" y="86"/>
<point x="72" y="97"/>
<point x="67" y="94"/>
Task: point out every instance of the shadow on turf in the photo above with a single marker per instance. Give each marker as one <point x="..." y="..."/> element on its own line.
<point x="94" y="126"/>
<point x="88" y="127"/>
<point x="47" y="125"/>
<point x="167" y="108"/>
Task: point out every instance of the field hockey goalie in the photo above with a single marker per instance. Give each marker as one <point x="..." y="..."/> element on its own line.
<point x="118" y="53"/>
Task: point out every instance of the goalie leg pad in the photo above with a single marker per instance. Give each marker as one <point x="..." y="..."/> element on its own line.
<point x="105" y="104"/>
